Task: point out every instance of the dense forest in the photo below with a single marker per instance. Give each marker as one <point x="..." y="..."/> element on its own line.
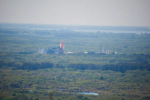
<point x="89" y="72"/>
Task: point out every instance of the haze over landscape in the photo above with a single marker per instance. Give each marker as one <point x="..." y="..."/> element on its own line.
<point x="74" y="50"/>
<point x="76" y="12"/>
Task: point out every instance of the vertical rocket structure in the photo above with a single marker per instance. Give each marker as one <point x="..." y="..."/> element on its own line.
<point x="62" y="45"/>
<point x="61" y="48"/>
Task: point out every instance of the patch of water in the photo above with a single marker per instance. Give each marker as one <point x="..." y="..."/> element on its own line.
<point x="88" y="93"/>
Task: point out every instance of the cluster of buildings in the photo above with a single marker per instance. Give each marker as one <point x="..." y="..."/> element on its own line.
<point x="53" y="50"/>
<point x="60" y="50"/>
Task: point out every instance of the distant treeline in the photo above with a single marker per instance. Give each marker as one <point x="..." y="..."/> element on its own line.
<point x="35" y="66"/>
<point x="121" y="67"/>
<point x="71" y="33"/>
<point x="8" y="31"/>
<point x="27" y="65"/>
<point x="75" y="27"/>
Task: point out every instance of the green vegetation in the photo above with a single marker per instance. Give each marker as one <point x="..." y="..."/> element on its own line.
<point x="25" y="74"/>
<point x="66" y="83"/>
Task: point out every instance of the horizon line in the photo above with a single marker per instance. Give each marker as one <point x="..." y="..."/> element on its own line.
<point x="72" y="24"/>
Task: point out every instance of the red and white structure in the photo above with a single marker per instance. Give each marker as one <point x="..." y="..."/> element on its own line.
<point x="62" y="45"/>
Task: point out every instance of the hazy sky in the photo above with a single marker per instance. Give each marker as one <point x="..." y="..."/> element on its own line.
<point x="77" y="12"/>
